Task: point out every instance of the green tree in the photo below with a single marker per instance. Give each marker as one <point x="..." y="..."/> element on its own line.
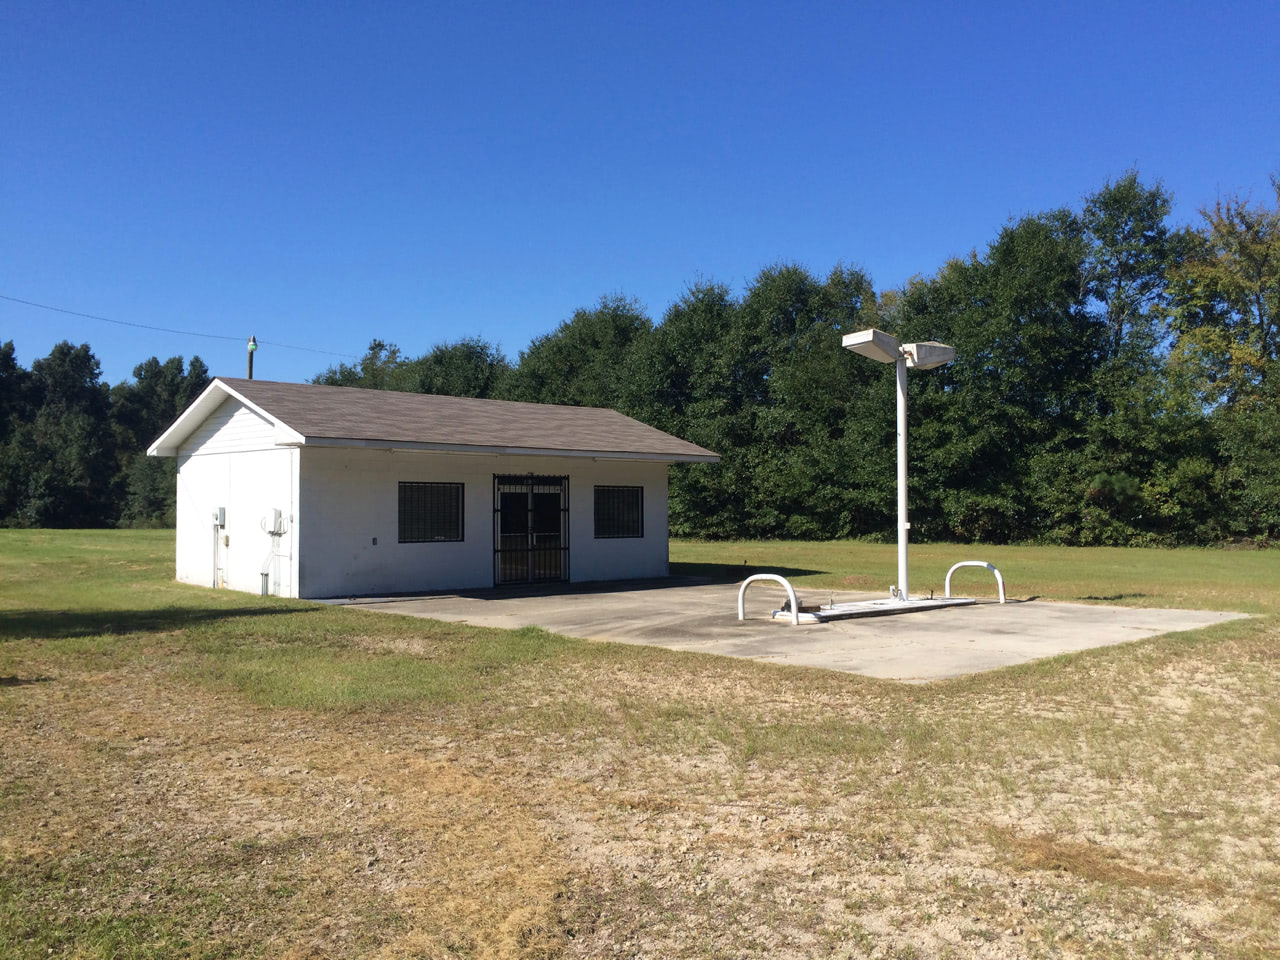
<point x="578" y="363"/>
<point x="1130" y="250"/>
<point x="678" y="379"/>
<point x="65" y="451"/>
<point x="996" y="432"/>
<point x="383" y="367"/>
<point x="1226" y="306"/>
<point x="16" y="408"/>
<point x="1152" y="462"/>
<point x="764" y="382"/>
<point x="812" y="420"/>
<point x="141" y="410"/>
<point x="470" y="367"/>
<point x="1249" y="435"/>
<point x="1226" y="313"/>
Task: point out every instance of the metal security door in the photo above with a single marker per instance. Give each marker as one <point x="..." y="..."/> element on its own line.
<point x="530" y="529"/>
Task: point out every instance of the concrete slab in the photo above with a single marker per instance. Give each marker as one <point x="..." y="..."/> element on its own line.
<point x="700" y="616"/>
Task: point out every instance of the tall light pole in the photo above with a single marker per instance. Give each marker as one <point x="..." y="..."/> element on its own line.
<point x="926" y="355"/>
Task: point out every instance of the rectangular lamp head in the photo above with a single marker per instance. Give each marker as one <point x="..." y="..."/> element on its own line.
<point x="928" y="354"/>
<point x="875" y="344"/>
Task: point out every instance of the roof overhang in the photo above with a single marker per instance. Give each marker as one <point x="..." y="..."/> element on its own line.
<point x="413" y="446"/>
<point x="170" y="442"/>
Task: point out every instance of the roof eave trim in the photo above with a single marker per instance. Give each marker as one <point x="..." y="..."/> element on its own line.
<point x="169" y="442"/>
<point x="497" y="451"/>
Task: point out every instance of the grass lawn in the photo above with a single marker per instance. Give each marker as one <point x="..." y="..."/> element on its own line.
<point x="193" y="773"/>
<point x="1195" y="579"/>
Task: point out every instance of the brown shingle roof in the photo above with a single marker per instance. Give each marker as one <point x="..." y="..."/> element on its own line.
<point x="382" y="416"/>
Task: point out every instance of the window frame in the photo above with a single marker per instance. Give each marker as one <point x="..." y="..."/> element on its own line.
<point x="402" y="522"/>
<point x="596" y="511"/>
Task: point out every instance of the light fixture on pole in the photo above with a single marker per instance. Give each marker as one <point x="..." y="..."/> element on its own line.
<point x="253" y="345"/>
<point x="926" y="355"/>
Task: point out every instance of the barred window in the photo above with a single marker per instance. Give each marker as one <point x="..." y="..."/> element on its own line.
<point x="619" y="512"/>
<point x="430" y="512"/>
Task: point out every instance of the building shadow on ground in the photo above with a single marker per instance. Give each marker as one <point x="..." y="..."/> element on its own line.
<point x="64" y="624"/>
<point x="733" y="572"/>
<point x="682" y="575"/>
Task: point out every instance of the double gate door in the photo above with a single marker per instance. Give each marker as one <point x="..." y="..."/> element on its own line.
<point x="530" y="529"/>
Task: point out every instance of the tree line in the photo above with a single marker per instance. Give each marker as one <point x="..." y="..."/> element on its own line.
<point x="1116" y="382"/>
<point x="73" y="449"/>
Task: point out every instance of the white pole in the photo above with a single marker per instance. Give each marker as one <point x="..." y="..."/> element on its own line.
<point x="903" y="525"/>
<point x="880" y="346"/>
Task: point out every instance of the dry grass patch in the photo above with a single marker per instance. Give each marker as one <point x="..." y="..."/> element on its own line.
<point x="241" y="777"/>
<point x="1089" y="861"/>
<point x="185" y="823"/>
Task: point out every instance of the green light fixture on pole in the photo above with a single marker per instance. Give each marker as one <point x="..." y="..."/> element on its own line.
<point x="253" y="345"/>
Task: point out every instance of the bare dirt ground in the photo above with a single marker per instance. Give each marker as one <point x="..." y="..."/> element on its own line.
<point x="678" y="807"/>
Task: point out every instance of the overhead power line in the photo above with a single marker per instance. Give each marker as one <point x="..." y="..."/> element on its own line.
<point x="184" y="333"/>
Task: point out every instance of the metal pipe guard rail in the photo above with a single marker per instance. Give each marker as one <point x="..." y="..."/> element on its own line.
<point x="975" y="563"/>
<point x="791" y="595"/>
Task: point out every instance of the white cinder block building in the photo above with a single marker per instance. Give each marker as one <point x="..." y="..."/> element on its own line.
<point x="300" y="490"/>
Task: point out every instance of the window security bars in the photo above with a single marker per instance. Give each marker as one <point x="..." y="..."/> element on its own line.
<point x="619" y="512"/>
<point x="430" y="512"/>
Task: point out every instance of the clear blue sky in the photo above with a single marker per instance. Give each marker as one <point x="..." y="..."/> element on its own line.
<point x="320" y="174"/>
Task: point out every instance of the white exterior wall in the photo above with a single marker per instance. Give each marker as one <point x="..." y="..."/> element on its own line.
<point x="233" y="462"/>
<point x="620" y="558"/>
<point x="349" y="496"/>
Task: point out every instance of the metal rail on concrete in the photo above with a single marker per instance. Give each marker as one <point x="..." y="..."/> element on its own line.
<point x="976" y="563"/>
<point x="791" y="595"/>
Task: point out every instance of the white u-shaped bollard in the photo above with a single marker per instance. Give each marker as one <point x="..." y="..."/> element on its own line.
<point x="791" y="595"/>
<point x="975" y="563"/>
